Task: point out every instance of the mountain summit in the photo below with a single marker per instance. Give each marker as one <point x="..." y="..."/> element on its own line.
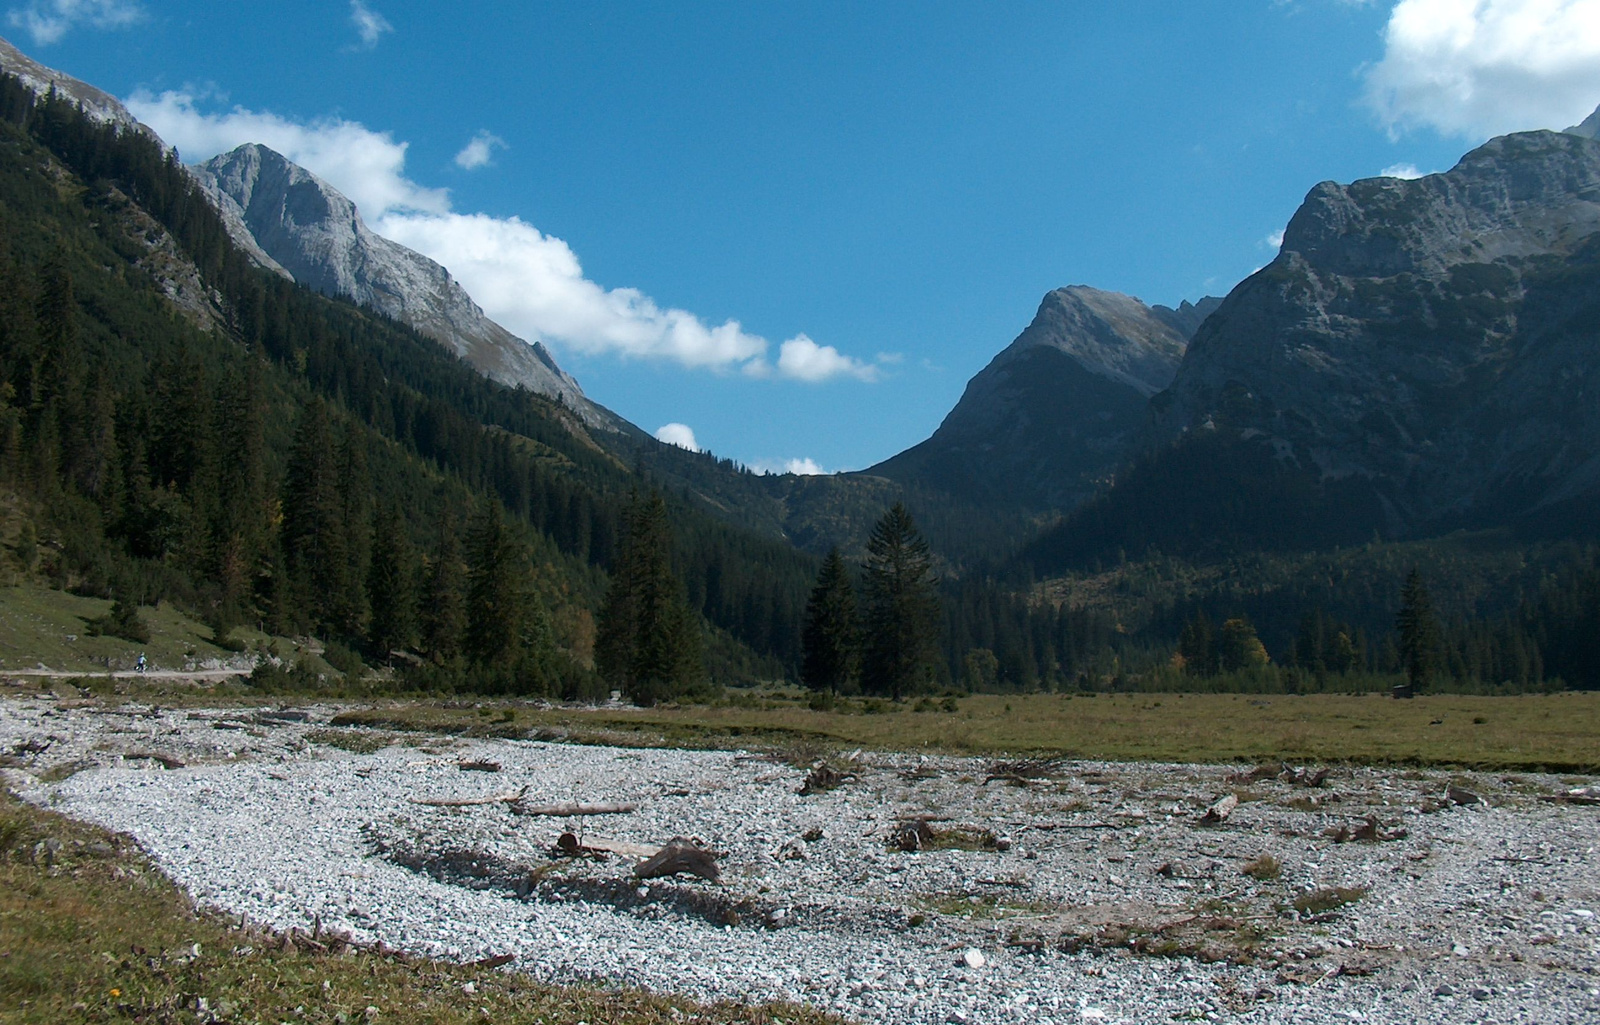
<point x="1431" y="342"/>
<point x="1053" y="412"/>
<point x="312" y="232"/>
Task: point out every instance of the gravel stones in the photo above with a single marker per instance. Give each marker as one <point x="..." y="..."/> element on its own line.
<point x="1074" y="923"/>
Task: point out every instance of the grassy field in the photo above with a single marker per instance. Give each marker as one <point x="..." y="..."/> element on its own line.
<point x="1559" y="732"/>
<point x="90" y="932"/>
<point x="48" y="628"/>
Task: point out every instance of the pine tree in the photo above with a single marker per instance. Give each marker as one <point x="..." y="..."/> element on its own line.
<point x="444" y="616"/>
<point x="648" y="642"/>
<point x="355" y="502"/>
<point x="1197" y="646"/>
<point x="391" y="587"/>
<point x="241" y="517"/>
<point x="901" y="608"/>
<point x="1418" y="629"/>
<point x="313" y="526"/>
<point x="831" y="635"/>
<point x="497" y="591"/>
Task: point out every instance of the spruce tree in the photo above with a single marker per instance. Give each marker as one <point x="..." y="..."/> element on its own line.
<point x="355" y="505"/>
<point x="391" y="587"/>
<point x="313" y="526"/>
<point x="1418" y="630"/>
<point x="648" y="642"/>
<point x="831" y="636"/>
<point x="444" y="615"/>
<point x="497" y="591"/>
<point x="901" y="608"/>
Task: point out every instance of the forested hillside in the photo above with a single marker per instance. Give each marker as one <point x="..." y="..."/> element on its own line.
<point x="180" y="425"/>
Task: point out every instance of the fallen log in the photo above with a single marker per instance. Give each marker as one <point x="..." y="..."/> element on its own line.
<point x="570" y="845"/>
<point x="570" y="809"/>
<point x="509" y="797"/>
<point x="165" y="761"/>
<point x="679" y="856"/>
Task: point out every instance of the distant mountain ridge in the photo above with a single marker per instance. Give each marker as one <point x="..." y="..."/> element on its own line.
<point x="1052" y="414"/>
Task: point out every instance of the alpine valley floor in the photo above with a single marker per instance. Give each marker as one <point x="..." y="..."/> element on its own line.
<point x="918" y="889"/>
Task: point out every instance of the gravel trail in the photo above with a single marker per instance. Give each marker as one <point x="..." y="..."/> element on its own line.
<point x="1091" y="892"/>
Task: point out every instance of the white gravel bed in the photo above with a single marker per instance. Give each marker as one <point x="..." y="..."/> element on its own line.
<point x="1090" y="907"/>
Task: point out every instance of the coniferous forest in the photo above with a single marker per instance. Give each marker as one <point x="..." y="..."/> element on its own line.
<point x="179" y="425"/>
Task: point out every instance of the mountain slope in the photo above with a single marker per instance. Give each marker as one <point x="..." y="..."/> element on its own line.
<point x="1422" y="354"/>
<point x="316" y="235"/>
<point x="1434" y="337"/>
<point x="294" y="224"/>
<point x="1052" y="414"/>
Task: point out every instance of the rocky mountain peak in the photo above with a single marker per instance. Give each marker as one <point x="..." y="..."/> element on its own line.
<point x="1109" y="334"/>
<point x="315" y="234"/>
<point x="1589" y="127"/>
<point x="1433" y="337"/>
<point x="1052" y="413"/>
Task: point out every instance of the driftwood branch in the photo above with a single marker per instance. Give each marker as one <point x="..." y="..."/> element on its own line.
<point x="509" y="797"/>
<point x="679" y="856"/>
<point x="569" y="809"/>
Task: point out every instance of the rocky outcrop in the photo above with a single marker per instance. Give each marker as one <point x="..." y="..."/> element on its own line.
<point x="316" y="235"/>
<point x="1053" y="413"/>
<point x="1437" y="339"/>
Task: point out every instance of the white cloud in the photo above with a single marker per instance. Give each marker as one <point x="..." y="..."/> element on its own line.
<point x="48" y="20"/>
<point x="804" y="467"/>
<point x="1475" y="68"/>
<point x="805" y="360"/>
<point x="1404" y="170"/>
<point x="370" y="25"/>
<point x="365" y="165"/>
<point x="479" y="151"/>
<point x="681" y="435"/>
<point x="530" y="282"/>
<point x="1274" y="240"/>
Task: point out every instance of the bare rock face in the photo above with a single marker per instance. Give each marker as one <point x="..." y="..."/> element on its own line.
<point x="1054" y="412"/>
<point x="316" y="235"/>
<point x="1435" y="341"/>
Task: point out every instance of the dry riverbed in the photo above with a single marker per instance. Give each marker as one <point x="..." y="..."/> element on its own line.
<point x="913" y="890"/>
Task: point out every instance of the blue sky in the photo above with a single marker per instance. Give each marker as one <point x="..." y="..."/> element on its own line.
<point x="798" y="229"/>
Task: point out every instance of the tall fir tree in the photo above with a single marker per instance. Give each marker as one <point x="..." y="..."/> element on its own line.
<point x="313" y="527"/>
<point x="831" y="635"/>
<point x="1418" y="629"/>
<point x="242" y="518"/>
<point x="648" y="642"/>
<point x="444" y="613"/>
<point x="901" y="608"/>
<point x="355" y="510"/>
<point x="499" y="598"/>
<point x="391" y="587"/>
